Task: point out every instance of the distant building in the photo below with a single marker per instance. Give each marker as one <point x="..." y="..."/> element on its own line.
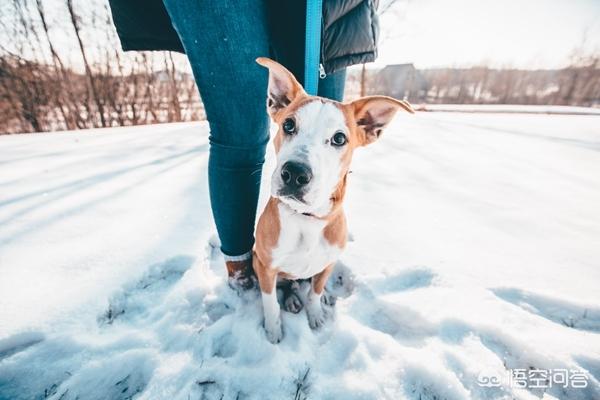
<point x="401" y="81"/>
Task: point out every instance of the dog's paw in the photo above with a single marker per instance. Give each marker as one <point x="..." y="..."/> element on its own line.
<point x="274" y="332"/>
<point x="316" y="320"/>
<point x="316" y="315"/>
<point x="292" y="303"/>
<point x="328" y="299"/>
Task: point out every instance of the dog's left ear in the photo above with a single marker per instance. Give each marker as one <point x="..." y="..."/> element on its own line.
<point x="283" y="86"/>
<point x="373" y="113"/>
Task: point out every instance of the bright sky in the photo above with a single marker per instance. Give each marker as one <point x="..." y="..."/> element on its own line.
<point x="445" y="33"/>
<point x="518" y="33"/>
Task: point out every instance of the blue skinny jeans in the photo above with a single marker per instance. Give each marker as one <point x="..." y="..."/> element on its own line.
<point x="222" y="39"/>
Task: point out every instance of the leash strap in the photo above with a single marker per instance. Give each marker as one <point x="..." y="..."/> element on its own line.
<point x="312" y="46"/>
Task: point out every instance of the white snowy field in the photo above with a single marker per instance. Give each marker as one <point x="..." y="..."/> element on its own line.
<point x="476" y="252"/>
<point x="510" y="108"/>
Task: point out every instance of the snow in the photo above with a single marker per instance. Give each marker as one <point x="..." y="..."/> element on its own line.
<point x="475" y="250"/>
<point x="510" y="108"/>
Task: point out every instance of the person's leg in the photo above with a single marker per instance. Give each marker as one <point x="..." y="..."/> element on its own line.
<point x="332" y="87"/>
<point x="222" y="41"/>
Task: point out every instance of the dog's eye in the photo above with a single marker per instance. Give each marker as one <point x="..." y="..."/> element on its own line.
<point x="289" y="126"/>
<point x="339" y="139"/>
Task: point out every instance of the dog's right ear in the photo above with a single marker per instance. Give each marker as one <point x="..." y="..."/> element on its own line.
<point x="283" y="86"/>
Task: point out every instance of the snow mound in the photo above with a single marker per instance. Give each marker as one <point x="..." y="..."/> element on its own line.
<point x="180" y="332"/>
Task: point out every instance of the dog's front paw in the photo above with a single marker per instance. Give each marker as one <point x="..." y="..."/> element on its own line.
<point x="316" y="315"/>
<point x="328" y="299"/>
<point x="316" y="320"/>
<point x="274" y="331"/>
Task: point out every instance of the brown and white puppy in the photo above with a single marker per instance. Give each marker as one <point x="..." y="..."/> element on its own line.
<point x="302" y="229"/>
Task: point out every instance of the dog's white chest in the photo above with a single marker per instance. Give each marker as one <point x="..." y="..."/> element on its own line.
<point x="302" y="251"/>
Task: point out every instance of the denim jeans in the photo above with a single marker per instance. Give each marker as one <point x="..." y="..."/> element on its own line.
<point x="222" y="39"/>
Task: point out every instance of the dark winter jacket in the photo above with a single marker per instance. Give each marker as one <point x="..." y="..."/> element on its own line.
<point x="349" y="35"/>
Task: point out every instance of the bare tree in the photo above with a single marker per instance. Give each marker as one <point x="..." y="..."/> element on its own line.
<point x="88" y="71"/>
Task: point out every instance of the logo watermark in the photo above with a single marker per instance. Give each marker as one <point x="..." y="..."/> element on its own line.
<point x="534" y="378"/>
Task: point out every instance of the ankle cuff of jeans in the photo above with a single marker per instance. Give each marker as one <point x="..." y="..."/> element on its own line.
<point x="241" y="257"/>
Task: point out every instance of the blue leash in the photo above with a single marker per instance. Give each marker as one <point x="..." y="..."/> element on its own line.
<point x="312" y="46"/>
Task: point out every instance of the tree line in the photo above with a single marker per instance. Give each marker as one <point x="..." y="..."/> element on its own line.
<point x="61" y="67"/>
<point x="577" y="84"/>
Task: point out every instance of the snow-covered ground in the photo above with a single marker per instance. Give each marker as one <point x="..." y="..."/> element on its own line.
<point x="509" y="108"/>
<point x="476" y="251"/>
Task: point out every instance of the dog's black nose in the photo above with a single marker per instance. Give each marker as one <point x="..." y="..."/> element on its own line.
<point x="295" y="174"/>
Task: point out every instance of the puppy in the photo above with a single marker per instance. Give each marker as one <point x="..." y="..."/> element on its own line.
<point x="302" y="229"/>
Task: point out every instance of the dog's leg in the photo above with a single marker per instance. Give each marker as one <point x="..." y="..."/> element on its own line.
<point x="267" y="278"/>
<point x="292" y="301"/>
<point x="314" y="309"/>
<point x="272" y="315"/>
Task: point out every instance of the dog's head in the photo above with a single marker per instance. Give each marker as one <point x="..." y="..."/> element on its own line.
<point x="316" y="139"/>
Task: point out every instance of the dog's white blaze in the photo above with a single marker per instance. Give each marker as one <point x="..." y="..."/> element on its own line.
<point x="317" y="122"/>
<point x="302" y="251"/>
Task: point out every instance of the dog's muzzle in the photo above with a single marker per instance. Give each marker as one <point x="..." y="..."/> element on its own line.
<point x="295" y="177"/>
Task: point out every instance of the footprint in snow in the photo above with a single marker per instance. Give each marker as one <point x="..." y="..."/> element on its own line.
<point x="426" y="383"/>
<point x="121" y="377"/>
<point x="401" y="322"/>
<point x="470" y="377"/>
<point x="69" y="367"/>
<point x="591" y="365"/>
<point x="17" y="343"/>
<point x="140" y="297"/>
<point x="515" y="355"/>
<point x="556" y="310"/>
<point x="415" y="278"/>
